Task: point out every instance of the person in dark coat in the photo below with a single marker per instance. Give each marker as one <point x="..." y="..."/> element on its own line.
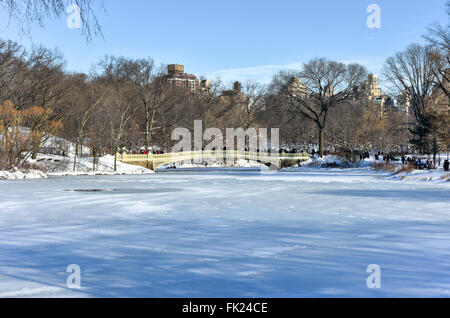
<point x="446" y="165"/>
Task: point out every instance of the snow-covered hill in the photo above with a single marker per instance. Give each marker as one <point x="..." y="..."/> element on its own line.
<point x="55" y="165"/>
<point x="57" y="159"/>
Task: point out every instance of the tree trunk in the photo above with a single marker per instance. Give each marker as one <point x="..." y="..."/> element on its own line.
<point x="435" y="146"/>
<point x="75" y="156"/>
<point x="321" y="142"/>
<point x="115" y="161"/>
<point x="115" y="155"/>
<point x="93" y="162"/>
<point x="147" y="126"/>
<point x="35" y="150"/>
<point x="147" y="134"/>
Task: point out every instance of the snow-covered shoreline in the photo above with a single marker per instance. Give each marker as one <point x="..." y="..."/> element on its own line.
<point x="334" y="162"/>
<point x="422" y="175"/>
<point x="16" y="174"/>
<point x="59" y="166"/>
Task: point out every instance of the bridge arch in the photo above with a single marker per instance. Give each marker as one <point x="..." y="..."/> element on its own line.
<point x="273" y="161"/>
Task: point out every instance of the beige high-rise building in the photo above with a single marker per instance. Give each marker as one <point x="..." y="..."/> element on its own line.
<point x="370" y="89"/>
<point x="296" y="87"/>
<point x="177" y="79"/>
<point x="371" y="93"/>
<point x="174" y="70"/>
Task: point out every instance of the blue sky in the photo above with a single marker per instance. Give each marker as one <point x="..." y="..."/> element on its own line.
<point x="247" y="39"/>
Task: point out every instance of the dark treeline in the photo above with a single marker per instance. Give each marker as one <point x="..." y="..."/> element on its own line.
<point x="129" y="103"/>
<point x="121" y="103"/>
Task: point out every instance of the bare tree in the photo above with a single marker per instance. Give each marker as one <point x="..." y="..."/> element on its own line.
<point x="40" y="80"/>
<point x="438" y="36"/>
<point x="87" y="106"/>
<point x="148" y="85"/>
<point x="411" y="72"/>
<point x="119" y="109"/>
<point x="144" y="76"/>
<point x="342" y="131"/>
<point x="254" y="94"/>
<point x="12" y="58"/>
<point x="38" y="11"/>
<point x="208" y="101"/>
<point x="319" y="87"/>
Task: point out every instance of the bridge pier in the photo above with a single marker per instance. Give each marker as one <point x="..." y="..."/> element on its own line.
<point x="151" y="165"/>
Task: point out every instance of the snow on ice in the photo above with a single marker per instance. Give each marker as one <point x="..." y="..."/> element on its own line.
<point x="225" y="233"/>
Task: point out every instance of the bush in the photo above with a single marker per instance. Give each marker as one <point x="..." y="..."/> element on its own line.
<point x="383" y="166"/>
<point x="31" y="166"/>
<point x="407" y="168"/>
<point x="4" y="164"/>
<point x="16" y="141"/>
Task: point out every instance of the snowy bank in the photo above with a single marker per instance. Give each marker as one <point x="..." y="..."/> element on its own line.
<point x="56" y="165"/>
<point x="16" y="174"/>
<point x="335" y="162"/>
<point x="330" y="161"/>
<point x="422" y="175"/>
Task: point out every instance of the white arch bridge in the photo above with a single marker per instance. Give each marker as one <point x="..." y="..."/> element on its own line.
<point x="272" y="160"/>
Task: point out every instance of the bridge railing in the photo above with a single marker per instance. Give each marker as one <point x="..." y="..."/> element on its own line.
<point x="212" y="154"/>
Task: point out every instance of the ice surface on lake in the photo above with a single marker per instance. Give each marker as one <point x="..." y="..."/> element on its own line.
<point x="227" y="233"/>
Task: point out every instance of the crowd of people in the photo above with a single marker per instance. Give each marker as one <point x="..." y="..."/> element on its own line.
<point x="427" y="164"/>
<point x="159" y="151"/>
<point x="143" y="151"/>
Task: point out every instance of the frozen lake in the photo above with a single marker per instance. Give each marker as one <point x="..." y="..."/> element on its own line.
<point x="227" y="233"/>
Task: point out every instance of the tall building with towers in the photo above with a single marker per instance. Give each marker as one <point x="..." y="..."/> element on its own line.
<point x="371" y="94"/>
<point x="234" y="94"/>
